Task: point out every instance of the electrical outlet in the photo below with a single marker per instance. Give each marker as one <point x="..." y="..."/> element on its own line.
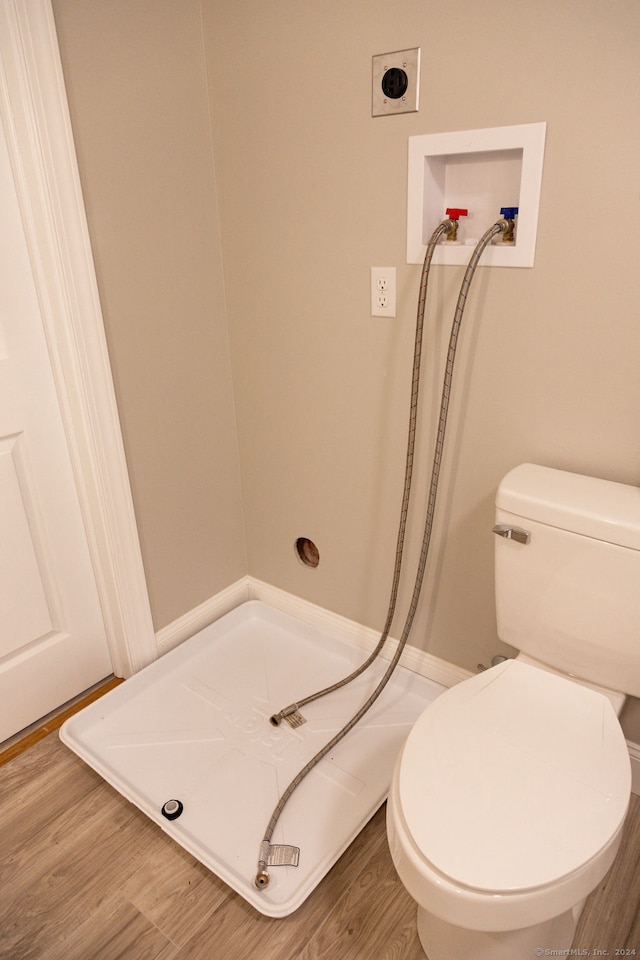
<point x="383" y="291"/>
<point x="396" y="82"/>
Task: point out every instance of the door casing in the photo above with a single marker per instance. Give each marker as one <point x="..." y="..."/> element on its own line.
<point x="34" y="109"/>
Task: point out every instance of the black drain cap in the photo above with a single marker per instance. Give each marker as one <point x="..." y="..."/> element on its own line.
<point x="172" y="809"/>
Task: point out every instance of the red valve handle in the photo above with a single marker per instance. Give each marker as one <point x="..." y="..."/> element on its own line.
<point x="455" y="212"/>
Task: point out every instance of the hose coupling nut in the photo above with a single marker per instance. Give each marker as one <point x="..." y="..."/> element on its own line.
<point x="276" y="719"/>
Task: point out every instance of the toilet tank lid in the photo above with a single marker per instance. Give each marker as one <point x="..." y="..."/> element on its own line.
<point x="588" y="506"/>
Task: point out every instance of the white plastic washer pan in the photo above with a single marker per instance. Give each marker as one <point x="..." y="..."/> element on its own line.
<point x="194" y="727"/>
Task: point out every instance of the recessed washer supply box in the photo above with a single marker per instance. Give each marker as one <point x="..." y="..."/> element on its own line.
<point x="482" y="170"/>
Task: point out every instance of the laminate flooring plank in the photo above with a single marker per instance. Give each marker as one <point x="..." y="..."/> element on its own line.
<point x="95" y="835"/>
<point x="115" y="931"/>
<point x="64" y="880"/>
<point x="174" y="891"/>
<point x="237" y="930"/>
<point x="43" y="782"/>
<point x="55" y="881"/>
<point x="610" y="918"/>
<point x="375" y="917"/>
<point x="633" y="939"/>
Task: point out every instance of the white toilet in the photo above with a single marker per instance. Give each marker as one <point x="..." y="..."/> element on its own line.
<point x="509" y="797"/>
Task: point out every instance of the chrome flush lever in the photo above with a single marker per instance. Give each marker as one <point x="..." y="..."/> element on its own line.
<point x="512" y="533"/>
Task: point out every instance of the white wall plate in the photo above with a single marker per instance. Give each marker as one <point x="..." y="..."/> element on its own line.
<point x="481" y="170"/>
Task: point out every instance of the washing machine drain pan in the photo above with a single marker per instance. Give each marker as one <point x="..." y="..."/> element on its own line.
<point x="188" y="740"/>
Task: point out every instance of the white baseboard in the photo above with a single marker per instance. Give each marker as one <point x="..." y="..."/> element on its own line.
<point x="248" y="588"/>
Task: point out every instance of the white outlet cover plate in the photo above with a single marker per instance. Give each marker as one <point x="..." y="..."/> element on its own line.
<point x="383" y="283"/>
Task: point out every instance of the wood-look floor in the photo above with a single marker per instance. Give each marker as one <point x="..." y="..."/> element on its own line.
<point x="85" y="876"/>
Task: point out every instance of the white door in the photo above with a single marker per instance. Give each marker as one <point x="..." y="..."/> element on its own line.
<point x="52" y="636"/>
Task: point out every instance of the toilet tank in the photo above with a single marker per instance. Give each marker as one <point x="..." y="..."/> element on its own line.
<point x="570" y="596"/>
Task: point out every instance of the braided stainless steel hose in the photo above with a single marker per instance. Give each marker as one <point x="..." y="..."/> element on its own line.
<point x="502" y="226"/>
<point x="443" y="228"/>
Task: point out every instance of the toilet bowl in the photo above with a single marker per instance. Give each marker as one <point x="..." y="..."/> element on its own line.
<point x="506" y="810"/>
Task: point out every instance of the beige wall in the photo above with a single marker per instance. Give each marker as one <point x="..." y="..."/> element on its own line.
<point x="311" y="193"/>
<point x="135" y="75"/>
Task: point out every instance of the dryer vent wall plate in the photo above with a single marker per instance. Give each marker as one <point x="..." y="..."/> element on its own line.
<point x="396" y="82"/>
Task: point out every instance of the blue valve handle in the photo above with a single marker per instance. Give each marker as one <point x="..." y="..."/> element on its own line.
<point x="509" y="212"/>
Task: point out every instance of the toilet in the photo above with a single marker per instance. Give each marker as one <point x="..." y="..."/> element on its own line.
<point x="509" y="796"/>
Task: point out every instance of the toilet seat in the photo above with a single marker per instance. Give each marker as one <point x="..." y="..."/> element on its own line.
<point x="513" y="781"/>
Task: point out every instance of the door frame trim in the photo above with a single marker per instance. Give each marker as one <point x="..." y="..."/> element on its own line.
<point x="34" y="109"/>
